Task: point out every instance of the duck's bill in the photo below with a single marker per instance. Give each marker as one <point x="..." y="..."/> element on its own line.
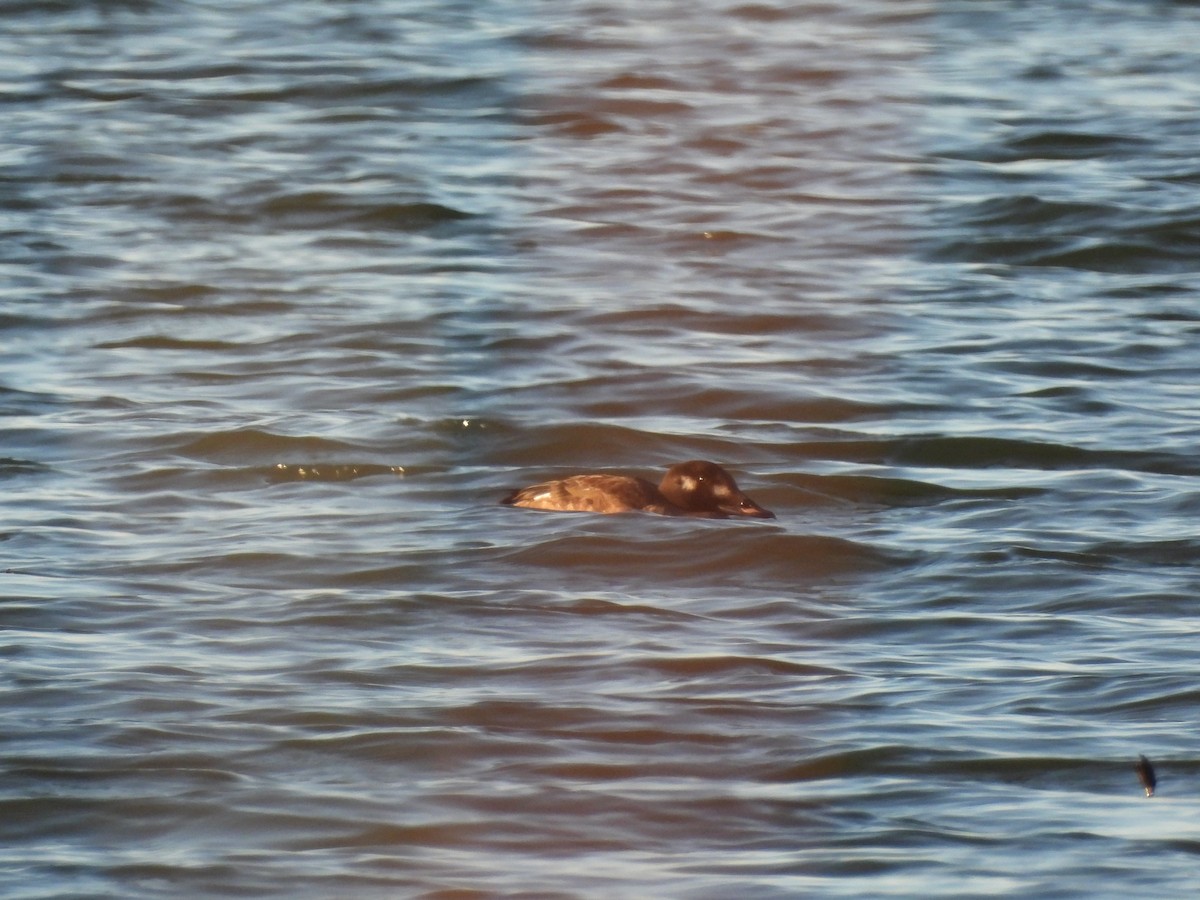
<point x="747" y="507"/>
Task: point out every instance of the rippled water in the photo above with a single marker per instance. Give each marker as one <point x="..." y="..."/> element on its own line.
<point x="295" y="292"/>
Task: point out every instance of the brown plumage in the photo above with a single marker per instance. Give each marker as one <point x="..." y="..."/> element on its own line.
<point x="693" y="488"/>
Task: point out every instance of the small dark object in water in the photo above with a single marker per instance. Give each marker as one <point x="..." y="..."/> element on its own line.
<point x="1146" y="775"/>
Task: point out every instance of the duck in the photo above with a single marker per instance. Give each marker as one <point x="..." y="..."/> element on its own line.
<point x="695" y="488"/>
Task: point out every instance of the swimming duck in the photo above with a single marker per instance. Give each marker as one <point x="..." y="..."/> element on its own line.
<point x="695" y="488"/>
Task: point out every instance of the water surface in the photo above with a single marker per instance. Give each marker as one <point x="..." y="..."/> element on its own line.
<point x="295" y="293"/>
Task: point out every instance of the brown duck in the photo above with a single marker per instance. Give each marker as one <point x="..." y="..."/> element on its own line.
<point x="695" y="488"/>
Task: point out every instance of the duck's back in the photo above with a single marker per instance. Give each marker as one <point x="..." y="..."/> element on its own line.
<point x="592" y="493"/>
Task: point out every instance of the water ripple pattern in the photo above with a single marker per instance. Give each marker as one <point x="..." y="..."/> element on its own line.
<point x="295" y="293"/>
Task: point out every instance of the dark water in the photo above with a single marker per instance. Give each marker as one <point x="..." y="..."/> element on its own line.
<point x="923" y="275"/>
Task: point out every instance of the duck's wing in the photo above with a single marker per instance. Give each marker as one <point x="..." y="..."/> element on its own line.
<point x="591" y="493"/>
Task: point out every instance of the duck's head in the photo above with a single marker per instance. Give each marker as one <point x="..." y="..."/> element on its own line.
<point x="704" y="488"/>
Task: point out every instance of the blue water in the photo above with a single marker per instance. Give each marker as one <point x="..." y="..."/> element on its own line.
<point x="294" y="294"/>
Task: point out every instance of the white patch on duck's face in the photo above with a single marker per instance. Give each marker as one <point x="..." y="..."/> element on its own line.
<point x="707" y="490"/>
<point x="722" y="492"/>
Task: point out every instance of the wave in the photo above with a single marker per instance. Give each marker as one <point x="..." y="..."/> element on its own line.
<point x="329" y="472"/>
<point x="1029" y="230"/>
<point x="242" y="443"/>
<point x="1035" y="143"/>
<point x="972" y="452"/>
<point x="327" y="209"/>
<point x="719" y="555"/>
